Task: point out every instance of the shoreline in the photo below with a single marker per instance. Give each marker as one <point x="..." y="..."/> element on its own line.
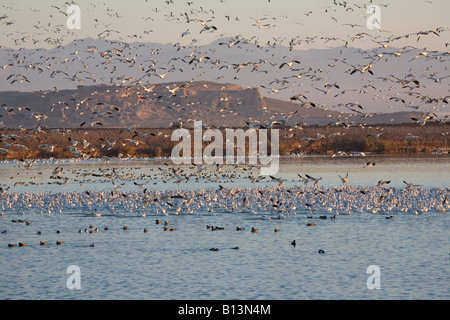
<point x="168" y="159"/>
<point x="32" y="144"/>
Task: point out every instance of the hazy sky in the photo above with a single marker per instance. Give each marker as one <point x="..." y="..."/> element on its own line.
<point x="37" y="23"/>
<point x="307" y="24"/>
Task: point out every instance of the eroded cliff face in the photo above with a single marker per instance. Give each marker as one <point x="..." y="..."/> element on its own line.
<point x="137" y="106"/>
<point x="163" y="105"/>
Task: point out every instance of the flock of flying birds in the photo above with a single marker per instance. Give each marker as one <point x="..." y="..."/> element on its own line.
<point x="268" y="203"/>
<point x="117" y="58"/>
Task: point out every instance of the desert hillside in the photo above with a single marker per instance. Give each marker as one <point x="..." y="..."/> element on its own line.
<point x="165" y="105"/>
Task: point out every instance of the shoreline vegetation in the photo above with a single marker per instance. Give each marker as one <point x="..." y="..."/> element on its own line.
<point x="398" y="139"/>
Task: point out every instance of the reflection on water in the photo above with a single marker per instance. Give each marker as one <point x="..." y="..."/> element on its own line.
<point x="410" y="249"/>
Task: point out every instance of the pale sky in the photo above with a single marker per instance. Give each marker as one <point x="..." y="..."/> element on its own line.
<point x="38" y="23"/>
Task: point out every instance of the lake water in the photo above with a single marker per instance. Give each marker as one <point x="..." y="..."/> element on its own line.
<point x="411" y="249"/>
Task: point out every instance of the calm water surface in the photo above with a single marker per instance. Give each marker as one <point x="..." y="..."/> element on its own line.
<point x="412" y="251"/>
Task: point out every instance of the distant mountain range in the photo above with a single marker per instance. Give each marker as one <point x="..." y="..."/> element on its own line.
<point x="248" y="80"/>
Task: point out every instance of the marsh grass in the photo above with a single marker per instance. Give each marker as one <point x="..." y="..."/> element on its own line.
<point x="394" y="139"/>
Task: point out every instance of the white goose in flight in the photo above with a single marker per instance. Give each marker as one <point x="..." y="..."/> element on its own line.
<point x="410" y="185"/>
<point x="344" y="179"/>
<point x="315" y="180"/>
